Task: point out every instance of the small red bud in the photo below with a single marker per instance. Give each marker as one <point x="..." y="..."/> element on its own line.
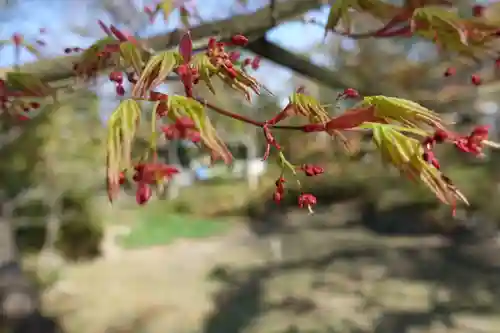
<point x="450" y="71"/>
<point x="277" y="197"/>
<point x="440" y="136"/>
<point x="239" y="40"/>
<point x="116" y="77"/>
<point x="143" y="194"/>
<point x="475" y="79"/>
<point x="122" y="178"/>
<point x="256" y="63"/>
<point x="120" y="90"/>
<point x="350" y="93"/>
<point x="34" y="105"/>
<point x="17" y="39"/>
<point x="477" y="10"/>
<point x="234" y="56"/>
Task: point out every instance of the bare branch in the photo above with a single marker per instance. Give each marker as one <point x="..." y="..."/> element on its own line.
<point x="303" y="66"/>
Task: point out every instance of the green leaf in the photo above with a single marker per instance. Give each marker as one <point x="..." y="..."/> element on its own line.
<point x="32" y="49"/>
<point x="179" y="106"/>
<point x="184" y="14"/>
<point x="206" y="69"/>
<point x="132" y="56"/>
<point x="404" y="112"/>
<point x="167" y="7"/>
<point x="309" y="107"/>
<point x="339" y="11"/>
<point x="441" y="21"/>
<point x="29" y="84"/>
<point x="405" y="154"/>
<point x="122" y="127"/>
<point x="156" y="71"/>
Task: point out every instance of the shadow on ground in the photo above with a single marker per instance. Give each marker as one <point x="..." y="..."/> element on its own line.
<point x="379" y="271"/>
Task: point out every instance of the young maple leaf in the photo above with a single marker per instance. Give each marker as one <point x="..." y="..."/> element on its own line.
<point x="155" y="72"/>
<point x="182" y="106"/>
<point x="122" y="127"/>
<point x="400" y="111"/>
<point x="406" y="155"/>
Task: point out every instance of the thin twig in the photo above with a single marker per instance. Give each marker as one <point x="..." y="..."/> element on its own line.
<point x="247" y="120"/>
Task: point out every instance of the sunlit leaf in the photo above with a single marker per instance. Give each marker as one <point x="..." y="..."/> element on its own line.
<point x="206" y="69"/>
<point x="444" y="23"/>
<point x="156" y="71"/>
<point x="404" y="112"/>
<point x="309" y="107"/>
<point x="339" y="11"/>
<point x="405" y="154"/>
<point x="167" y="7"/>
<point x="122" y="128"/>
<point x="132" y="56"/>
<point x="179" y="106"/>
<point x="32" y="49"/>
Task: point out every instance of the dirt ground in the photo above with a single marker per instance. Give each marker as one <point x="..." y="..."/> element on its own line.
<point x="166" y="284"/>
<point x="328" y="280"/>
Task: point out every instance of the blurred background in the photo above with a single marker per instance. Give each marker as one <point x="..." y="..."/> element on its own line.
<point x="216" y="255"/>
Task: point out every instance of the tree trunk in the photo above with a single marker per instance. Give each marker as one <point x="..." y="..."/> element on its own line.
<point x="19" y="302"/>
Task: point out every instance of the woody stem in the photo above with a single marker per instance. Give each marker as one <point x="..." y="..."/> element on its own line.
<point x="246" y="120"/>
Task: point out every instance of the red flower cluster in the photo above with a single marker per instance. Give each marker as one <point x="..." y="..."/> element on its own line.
<point x="472" y="143"/>
<point x="305" y="199"/>
<point x="117" y="77"/>
<point x="183" y="128"/>
<point x="146" y="175"/>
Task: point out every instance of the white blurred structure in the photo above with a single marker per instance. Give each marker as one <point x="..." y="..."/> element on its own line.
<point x="247" y="164"/>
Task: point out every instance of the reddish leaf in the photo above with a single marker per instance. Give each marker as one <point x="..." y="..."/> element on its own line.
<point x="186" y="47"/>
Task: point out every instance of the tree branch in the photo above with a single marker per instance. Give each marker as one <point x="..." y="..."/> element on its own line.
<point x="303" y="66"/>
<point x="251" y="25"/>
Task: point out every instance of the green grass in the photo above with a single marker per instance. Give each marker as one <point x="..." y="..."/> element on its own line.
<point x="161" y="229"/>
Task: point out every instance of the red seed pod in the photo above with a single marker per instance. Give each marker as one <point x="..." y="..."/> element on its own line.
<point x="277" y="197"/>
<point x="475" y="79"/>
<point x="450" y="71"/>
<point x="195" y="136"/>
<point x="143" y="194"/>
<point x="17" y="39"/>
<point x="122" y="178"/>
<point x="34" y="105"/>
<point x="255" y="63"/>
<point x="116" y="77"/>
<point x="440" y="136"/>
<point x="212" y="43"/>
<point x="120" y="90"/>
<point x="307" y="200"/>
<point x="234" y="56"/>
<point x="170" y="132"/>
<point x="132" y="77"/>
<point x="239" y="40"/>
<point x="350" y="93"/>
